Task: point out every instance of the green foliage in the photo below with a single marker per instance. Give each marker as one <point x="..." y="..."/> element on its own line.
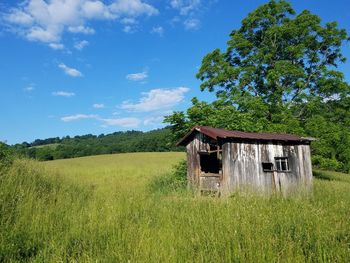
<point x="100" y="209"/>
<point x="6" y="157"/>
<point x="87" y="145"/>
<point x="326" y="163"/>
<point x="278" y="74"/>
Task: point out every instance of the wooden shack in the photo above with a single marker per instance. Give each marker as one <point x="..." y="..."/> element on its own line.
<point x="225" y="161"/>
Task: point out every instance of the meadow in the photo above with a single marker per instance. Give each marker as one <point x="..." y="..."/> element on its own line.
<point x="125" y="208"/>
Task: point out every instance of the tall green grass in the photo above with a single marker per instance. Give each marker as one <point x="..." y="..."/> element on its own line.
<point x="112" y="209"/>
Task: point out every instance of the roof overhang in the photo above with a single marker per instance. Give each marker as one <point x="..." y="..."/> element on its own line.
<point x="216" y="134"/>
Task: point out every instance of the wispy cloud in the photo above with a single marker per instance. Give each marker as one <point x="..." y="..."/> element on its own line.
<point x="81" y="44"/>
<point x="46" y="21"/>
<point x="189" y="12"/>
<point x="128" y="29"/>
<point x="56" y="46"/>
<point x="130" y="24"/>
<point x="76" y="117"/>
<point x="63" y="94"/>
<point x="127" y="122"/>
<point x="98" y="105"/>
<point x="81" y="29"/>
<point x="122" y="122"/>
<point x="29" y="88"/>
<point x="157" y="99"/>
<point x="158" y="30"/>
<point x="19" y="17"/>
<point x="132" y="8"/>
<point x="192" y="24"/>
<point x="70" y="71"/>
<point x="185" y="7"/>
<point x="137" y="76"/>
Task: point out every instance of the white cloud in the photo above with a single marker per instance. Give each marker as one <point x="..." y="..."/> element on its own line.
<point x="123" y="122"/>
<point x="19" y="17"/>
<point x="158" y="30"/>
<point x="81" y="29"/>
<point x="46" y="21"/>
<point x="63" y="94"/>
<point x="132" y="8"/>
<point x="98" y="105"/>
<point x="56" y="46"/>
<point x="189" y="12"/>
<point x="127" y="122"/>
<point x="96" y="9"/>
<point x="130" y="24"/>
<point x="137" y="76"/>
<point x="70" y="71"/>
<point x="157" y="99"/>
<point x="81" y="44"/>
<point x="191" y="24"/>
<point x="29" y="88"/>
<point x="49" y="34"/>
<point x="78" y="117"/>
<point x="185" y="7"/>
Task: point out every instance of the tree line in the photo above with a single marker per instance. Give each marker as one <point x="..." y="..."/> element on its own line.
<point x="118" y="142"/>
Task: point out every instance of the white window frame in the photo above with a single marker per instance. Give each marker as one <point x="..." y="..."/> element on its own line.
<point x="282" y="164"/>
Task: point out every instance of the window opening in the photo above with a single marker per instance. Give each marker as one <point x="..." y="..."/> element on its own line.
<point x="282" y="163"/>
<point x="210" y="163"/>
<point x="211" y="160"/>
<point x="267" y="167"/>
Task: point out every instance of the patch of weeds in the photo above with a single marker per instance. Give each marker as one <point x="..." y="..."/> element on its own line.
<point x="324" y="176"/>
<point x="75" y="248"/>
<point x="20" y="247"/>
<point x="175" y="181"/>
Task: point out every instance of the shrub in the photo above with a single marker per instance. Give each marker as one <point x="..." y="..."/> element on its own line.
<point x="326" y="163"/>
<point x="6" y="156"/>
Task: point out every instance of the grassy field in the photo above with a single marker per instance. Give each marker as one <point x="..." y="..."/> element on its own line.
<point x="108" y="209"/>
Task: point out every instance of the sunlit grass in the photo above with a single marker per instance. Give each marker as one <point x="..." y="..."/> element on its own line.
<point x="101" y="209"/>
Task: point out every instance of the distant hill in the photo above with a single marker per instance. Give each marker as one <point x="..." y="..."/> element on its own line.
<point x="118" y="142"/>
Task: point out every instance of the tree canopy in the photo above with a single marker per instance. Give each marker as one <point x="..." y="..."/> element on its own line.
<point x="278" y="73"/>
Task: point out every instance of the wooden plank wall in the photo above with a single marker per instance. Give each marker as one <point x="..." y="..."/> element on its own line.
<point x="193" y="161"/>
<point x="242" y="167"/>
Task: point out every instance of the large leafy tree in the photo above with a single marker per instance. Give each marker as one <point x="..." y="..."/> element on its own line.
<point x="278" y="73"/>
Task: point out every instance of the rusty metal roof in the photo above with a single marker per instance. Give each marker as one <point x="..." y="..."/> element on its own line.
<point x="216" y="134"/>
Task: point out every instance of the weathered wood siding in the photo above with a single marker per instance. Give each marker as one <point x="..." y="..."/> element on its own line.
<point x="209" y="183"/>
<point x="242" y="167"/>
<point x="193" y="159"/>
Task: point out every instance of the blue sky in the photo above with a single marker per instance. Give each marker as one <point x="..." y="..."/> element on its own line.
<point x="73" y="67"/>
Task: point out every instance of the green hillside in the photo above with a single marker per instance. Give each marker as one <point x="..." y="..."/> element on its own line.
<point x="114" y="208"/>
<point x="88" y="145"/>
